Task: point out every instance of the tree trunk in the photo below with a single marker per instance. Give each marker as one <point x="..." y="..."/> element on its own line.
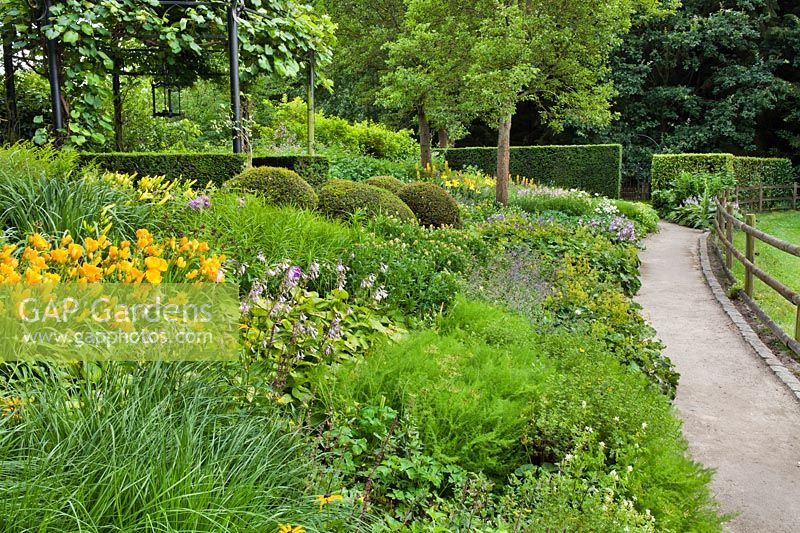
<point x="444" y="138"/>
<point x="11" y="91"/>
<point x="503" y="160"/>
<point x="425" y="158"/>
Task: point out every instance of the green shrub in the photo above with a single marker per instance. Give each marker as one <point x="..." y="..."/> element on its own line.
<point x="643" y="215"/>
<point x="361" y="168"/>
<point x="593" y="168"/>
<point x="312" y="168"/>
<point x="423" y="266"/>
<point x="390" y="183"/>
<point x="665" y="168"/>
<point x="432" y="205"/>
<point x="26" y="161"/>
<point x="341" y="199"/>
<point x="162" y="447"/>
<point x="278" y="186"/>
<point x="288" y="120"/>
<point x="489" y="394"/>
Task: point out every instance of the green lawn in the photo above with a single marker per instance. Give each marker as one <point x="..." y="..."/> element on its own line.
<point x="785" y="267"/>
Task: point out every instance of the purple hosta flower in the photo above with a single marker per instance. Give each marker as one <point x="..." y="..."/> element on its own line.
<point x="313" y="270"/>
<point x="241" y="269"/>
<point x="312" y="331"/>
<point x="384" y="268"/>
<point x="297" y="330"/>
<point x="335" y="329"/>
<point x="300" y="356"/>
<point x="524" y="191"/>
<point x="498" y="217"/>
<point x="242" y="202"/>
<point x="244" y="308"/>
<point x="627" y="233"/>
<point x="341" y="275"/>
<point x="692" y="200"/>
<point x="201" y="202"/>
<point x="380" y="294"/>
<point x="328" y="350"/>
<point x="294" y="274"/>
<point x="261" y="257"/>
<point x="256" y="290"/>
<point x="369" y="281"/>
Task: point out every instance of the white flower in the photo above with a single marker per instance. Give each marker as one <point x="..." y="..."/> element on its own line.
<point x="644" y="425"/>
<point x="630" y="468"/>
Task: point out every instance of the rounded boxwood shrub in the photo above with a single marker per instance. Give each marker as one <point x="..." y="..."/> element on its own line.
<point x="390" y="183"/>
<point x="342" y="198"/>
<point x="433" y="205"/>
<point x="279" y="186"/>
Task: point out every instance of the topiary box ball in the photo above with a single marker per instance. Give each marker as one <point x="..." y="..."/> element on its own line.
<point x="432" y="205"/>
<point x="390" y="183"/>
<point x="342" y="198"/>
<point x="279" y="186"/>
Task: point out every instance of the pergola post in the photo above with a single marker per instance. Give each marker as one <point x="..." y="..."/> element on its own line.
<point x="11" y="90"/>
<point x="52" y="73"/>
<point x="117" y="92"/>
<point x="233" y="57"/>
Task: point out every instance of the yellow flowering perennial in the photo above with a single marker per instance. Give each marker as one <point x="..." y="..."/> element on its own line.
<point x="96" y="260"/>
<point x="325" y="499"/>
<point x="289" y="528"/>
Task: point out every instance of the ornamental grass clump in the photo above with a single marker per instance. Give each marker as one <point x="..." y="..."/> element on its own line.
<point x="154" y="447"/>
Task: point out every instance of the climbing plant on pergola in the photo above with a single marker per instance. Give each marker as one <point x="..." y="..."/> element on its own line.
<point x="80" y="44"/>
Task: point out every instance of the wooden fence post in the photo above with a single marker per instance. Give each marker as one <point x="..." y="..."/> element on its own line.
<point x="729" y="236"/>
<point x="750" y="254"/>
<point x="760" y="197"/>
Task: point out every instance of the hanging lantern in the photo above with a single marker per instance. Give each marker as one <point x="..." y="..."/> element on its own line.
<point x="166" y="98"/>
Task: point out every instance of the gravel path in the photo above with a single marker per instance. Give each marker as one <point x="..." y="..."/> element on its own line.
<point x="738" y="417"/>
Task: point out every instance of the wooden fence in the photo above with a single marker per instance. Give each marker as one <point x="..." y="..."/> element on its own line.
<point x="724" y="224"/>
<point x="760" y="197"/>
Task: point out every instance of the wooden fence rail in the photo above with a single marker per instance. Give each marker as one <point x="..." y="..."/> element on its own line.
<point x="724" y="225"/>
<point x="759" y="200"/>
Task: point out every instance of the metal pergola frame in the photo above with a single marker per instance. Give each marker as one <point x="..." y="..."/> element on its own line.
<point x="234" y="8"/>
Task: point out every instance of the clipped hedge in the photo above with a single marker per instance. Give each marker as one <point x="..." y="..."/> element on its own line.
<point x="342" y="198"/>
<point x="595" y="168"/>
<point x="666" y="167"/>
<point x="201" y="167"/>
<point x="314" y="169"/>
<point x="278" y="186"/>
<point x="766" y="170"/>
<point x="432" y="205"/>
<point x="747" y="170"/>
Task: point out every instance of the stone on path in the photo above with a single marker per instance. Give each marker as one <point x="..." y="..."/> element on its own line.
<point x="738" y="417"/>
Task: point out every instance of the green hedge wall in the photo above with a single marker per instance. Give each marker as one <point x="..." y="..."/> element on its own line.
<point x="202" y="168"/>
<point x="747" y="170"/>
<point x="766" y="170"/>
<point x="595" y="168"/>
<point x="217" y="168"/>
<point x="312" y="168"/>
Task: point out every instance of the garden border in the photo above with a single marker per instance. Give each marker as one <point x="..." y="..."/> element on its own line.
<point x="752" y="338"/>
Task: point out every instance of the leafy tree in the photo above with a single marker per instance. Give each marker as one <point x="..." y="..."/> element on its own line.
<point x="427" y="67"/>
<point x="96" y="37"/>
<point x="554" y="54"/>
<point x="713" y="76"/>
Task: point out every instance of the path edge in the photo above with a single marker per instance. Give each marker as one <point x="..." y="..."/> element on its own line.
<point x="752" y="338"/>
